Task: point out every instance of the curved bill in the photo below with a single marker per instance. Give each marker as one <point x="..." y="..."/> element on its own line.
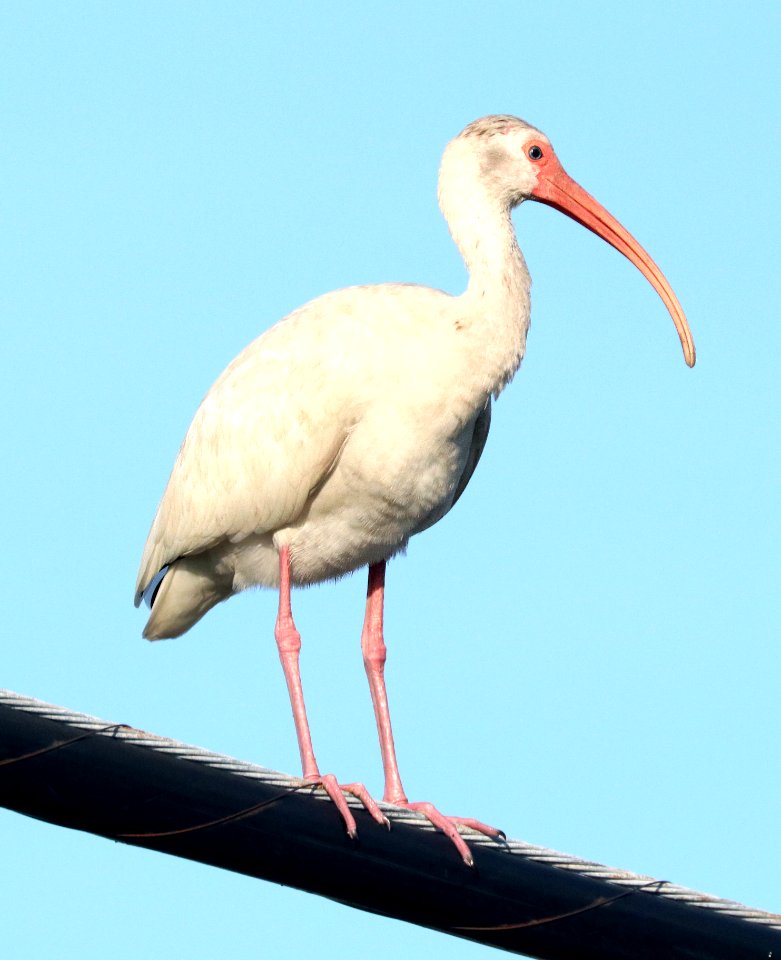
<point x="559" y="190"/>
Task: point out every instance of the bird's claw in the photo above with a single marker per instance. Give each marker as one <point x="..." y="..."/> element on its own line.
<point x="449" y="826"/>
<point x="336" y="792"/>
<point x="359" y="791"/>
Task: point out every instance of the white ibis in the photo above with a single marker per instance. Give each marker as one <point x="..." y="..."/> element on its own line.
<point x="357" y="421"/>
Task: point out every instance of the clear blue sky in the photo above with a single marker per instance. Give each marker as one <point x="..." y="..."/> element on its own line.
<point x="585" y="651"/>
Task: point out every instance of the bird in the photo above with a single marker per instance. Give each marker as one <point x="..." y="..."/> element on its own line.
<point x="356" y="422"/>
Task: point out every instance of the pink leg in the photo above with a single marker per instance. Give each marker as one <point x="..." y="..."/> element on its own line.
<point x="374" y="654"/>
<point x="289" y="646"/>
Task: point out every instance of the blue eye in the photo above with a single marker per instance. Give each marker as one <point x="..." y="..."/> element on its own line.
<point x="535" y="152"/>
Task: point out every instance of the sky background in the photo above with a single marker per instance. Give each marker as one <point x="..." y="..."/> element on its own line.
<point x="585" y="651"/>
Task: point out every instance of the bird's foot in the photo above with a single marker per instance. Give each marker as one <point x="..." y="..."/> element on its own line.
<point x="449" y="826"/>
<point x="336" y="792"/>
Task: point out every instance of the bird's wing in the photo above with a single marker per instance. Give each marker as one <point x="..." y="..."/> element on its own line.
<point x="264" y="437"/>
<point x="479" y="437"/>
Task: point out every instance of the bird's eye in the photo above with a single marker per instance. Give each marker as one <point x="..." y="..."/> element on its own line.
<point x="535" y="152"/>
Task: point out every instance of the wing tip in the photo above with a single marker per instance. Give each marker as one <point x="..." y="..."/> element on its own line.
<point x="148" y="593"/>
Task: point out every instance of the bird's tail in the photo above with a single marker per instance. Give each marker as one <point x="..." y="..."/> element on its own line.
<point x="186" y="592"/>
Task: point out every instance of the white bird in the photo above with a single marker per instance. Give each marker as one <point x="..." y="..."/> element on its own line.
<point x="357" y="421"/>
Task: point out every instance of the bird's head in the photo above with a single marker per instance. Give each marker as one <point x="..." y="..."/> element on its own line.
<point x="492" y="152"/>
<point x="512" y="161"/>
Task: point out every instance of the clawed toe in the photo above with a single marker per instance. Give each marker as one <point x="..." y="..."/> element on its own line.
<point x="336" y="792"/>
<point x="361" y="793"/>
<point x="449" y="826"/>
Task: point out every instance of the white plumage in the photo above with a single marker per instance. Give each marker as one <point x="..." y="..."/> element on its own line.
<point x="344" y="429"/>
<point x="357" y="421"/>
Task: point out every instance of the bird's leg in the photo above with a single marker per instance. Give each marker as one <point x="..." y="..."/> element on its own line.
<point x="374" y="655"/>
<point x="289" y="645"/>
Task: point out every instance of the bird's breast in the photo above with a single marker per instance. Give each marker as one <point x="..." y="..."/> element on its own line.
<point x="396" y="475"/>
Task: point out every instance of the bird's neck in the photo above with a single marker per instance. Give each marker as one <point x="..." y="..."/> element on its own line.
<point x="497" y="299"/>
